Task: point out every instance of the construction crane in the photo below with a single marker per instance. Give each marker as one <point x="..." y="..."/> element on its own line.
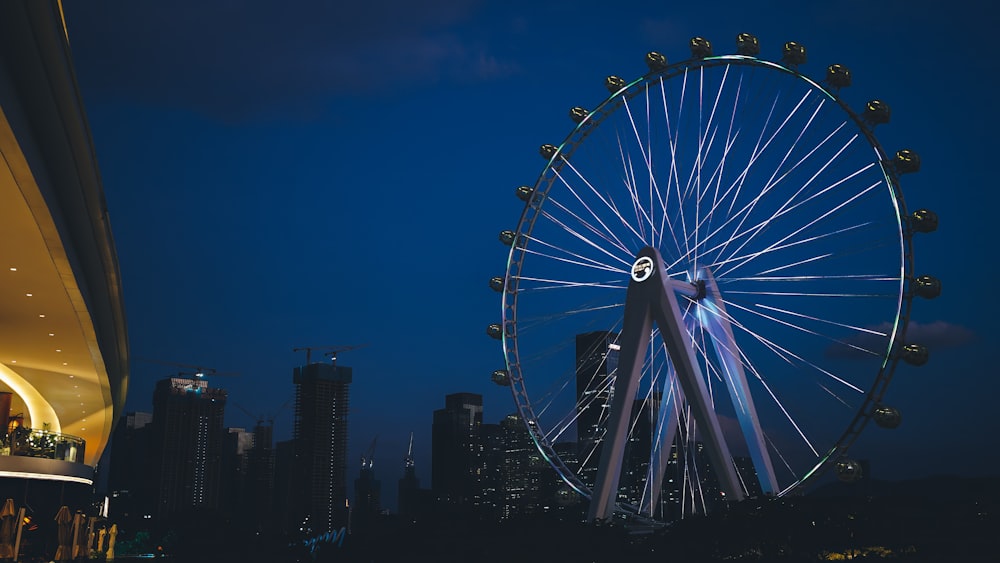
<point x="260" y="418"/>
<point x="368" y="459"/>
<point x="329" y="351"/>
<point x="199" y="372"/>
<point x="408" y="462"/>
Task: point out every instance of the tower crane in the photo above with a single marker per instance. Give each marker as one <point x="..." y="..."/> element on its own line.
<point x="261" y="417"/>
<point x="368" y="459"/>
<point x="199" y="372"/>
<point x="329" y="351"/>
<point x="408" y="462"/>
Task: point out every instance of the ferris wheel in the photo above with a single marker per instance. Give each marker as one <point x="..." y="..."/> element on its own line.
<point x="709" y="286"/>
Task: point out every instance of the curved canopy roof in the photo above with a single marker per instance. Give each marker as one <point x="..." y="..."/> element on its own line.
<point x="63" y="346"/>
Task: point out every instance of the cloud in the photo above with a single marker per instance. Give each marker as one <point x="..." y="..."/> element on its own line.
<point x="232" y="59"/>
<point x="938" y="335"/>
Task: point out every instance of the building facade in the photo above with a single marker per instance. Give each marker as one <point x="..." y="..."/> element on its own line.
<point x="457" y="460"/>
<point x="189" y="435"/>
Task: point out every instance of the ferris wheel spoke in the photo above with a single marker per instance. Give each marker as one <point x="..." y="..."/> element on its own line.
<point x="612" y="240"/>
<point x="675" y="168"/>
<point x="672" y="172"/>
<point x="641" y="217"/>
<point x="644" y="151"/>
<point x="823" y="216"/>
<point x="731" y="137"/>
<point x="608" y="203"/>
<point x="774" y="397"/>
<point x="699" y="196"/>
<point x="563" y="284"/>
<point x="787" y="205"/>
<point x="716" y="177"/>
<point x="807" y="260"/>
<point x="804" y="361"/>
<point x="747" y="210"/>
<point x="811" y="294"/>
<point x="860" y="277"/>
<point x="771" y="182"/>
<point x="777" y="451"/>
<point x="571" y="417"/>
<point x="755" y="154"/>
<point x="583" y="238"/>
<point x="583" y="261"/>
<point x="704" y="149"/>
<point x="812" y="332"/>
<point x="550" y="397"/>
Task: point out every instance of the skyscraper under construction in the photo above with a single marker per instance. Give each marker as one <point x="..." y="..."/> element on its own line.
<point x="319" y="480"/>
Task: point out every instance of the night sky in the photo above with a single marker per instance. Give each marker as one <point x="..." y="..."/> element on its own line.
<point x="311" y="173"/>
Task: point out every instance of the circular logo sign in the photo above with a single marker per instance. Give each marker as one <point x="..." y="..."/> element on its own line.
<point x="642" y="269"/>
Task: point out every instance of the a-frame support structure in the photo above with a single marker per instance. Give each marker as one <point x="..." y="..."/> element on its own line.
<point x="652" y="297"/>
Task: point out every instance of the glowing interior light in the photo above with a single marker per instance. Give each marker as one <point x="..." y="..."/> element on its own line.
<point x="27" y="295"/>
<point x="41" y="316"/>
<point x="13" y="269"/>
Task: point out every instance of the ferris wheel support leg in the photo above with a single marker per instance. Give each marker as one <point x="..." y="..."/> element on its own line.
<point x="634" y="342"/>
<point x="651" y="296"/>
<point x="721" y="331"/>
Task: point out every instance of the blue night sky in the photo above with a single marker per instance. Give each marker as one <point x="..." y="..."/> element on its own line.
<point x="323" y="173"/>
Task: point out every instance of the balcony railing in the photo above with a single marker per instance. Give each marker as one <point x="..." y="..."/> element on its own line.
<point x="30" y="442"/>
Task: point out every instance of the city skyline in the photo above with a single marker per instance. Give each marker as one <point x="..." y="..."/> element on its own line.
<point x="283" y="193"/>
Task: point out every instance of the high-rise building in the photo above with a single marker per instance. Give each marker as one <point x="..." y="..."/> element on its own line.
<point x="596" y="362"/>
<point x="523" y="470"/>
<point x="287" y="507"/>
<point x="189" y="436"/>
<point x="367" y="493"/>
<point x="259" y="484"/>
<point x="319" y="501"/>
<point x="456" y="450"/>
<point x="131" y="491"/>
<point x="489" y="497"/>
<point x="237" y="445"/>
<point x="414" y="502"/>
<point x="638" y="448"/>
